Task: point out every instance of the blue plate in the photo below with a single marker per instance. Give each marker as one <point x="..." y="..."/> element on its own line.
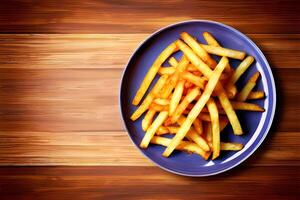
<point x="255" y="124"/>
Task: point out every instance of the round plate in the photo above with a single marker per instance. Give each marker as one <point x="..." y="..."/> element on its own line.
<point x="255" y="124"/>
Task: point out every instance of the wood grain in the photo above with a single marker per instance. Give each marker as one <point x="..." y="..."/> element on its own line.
<point x="38" y="51"/>
<point x="146" y="183"/>
<point x="116" y="149"/>
<point x="91" y="16"/>
<point x="60" y="68"/>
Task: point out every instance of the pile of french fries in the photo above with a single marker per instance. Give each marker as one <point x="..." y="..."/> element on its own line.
<point x="195" y="97"/>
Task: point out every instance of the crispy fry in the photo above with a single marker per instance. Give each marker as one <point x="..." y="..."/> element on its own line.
<point x="213" y="80"/>
<point x="184" y="103"/>
<point x="208" y="131"/>
<point x="173" y="62"/>
<point x="220" y="51"/>
<point x="176" y="97"/>
<point x="194" y="136"/>
<point x="153" y="71"/>
<point x="162" y="116"/>
<point x="198" y="49"/>
<point x="192" y="68"/>
<point x="210" y="39"/>
<point x="184" y="145"/>
<point x="223" y="124"/>
<point x="219" y="88"/>
<point x="213" y="42"/>
<point x="245" y="106"/>
<point x="213" y="112"/>
<point x="200" y="82"/>
<point x="256" y="95"/>
<point x="159" y="108"/>
<point x="148" y="119"/>
<point x="204" y="117"/>
<point x="198" y="125"/>
<point x="228" y="146"/>
<point x="243" y="95"/>
<point x="162" y="130"/>
<point x="148" y="100"/>
<point x="166" y="70"/>
<point x="243" y="66"/>
<point x="162" y="102"/>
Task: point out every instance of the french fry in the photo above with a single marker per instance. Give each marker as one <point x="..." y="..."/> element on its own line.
<point x="184" y="145"/>
<point x="173" y="129"/>
<point x="213" y="80"/>
<point x="198" y="125"/>
<point x="194" y="136"/>
<point x="198" y="49"/>
<point x="162" y="116"/>
<point x="204" y="117"/>
<point x="200" y="82"/>
<point x="208" y="131"/>
<point x="176" y="97"/>
<point x="239" y="71"/>
<point x="148" y="100"/>
<point x="223" y="124"/>
<point x="210" y="39"/>
<point x="243" y="95"/>
<point x="159" y="108"/>
<point x="256" y="95"/>
<point x="184" y="103"/>
<point x="213" y="42"/>
<point x="220" y="51"/>
<point x="213" y="112"/>
<point x="223" y="98"/>
<point x="148" y="119"/>
<point x="228" y="146"/>
<point x="152" y="72"/>
<point x="166" y="70"/>
<point x="162" y="130"/>
<point x="192" y="68"/>
<point x="173" y="62"/>
<point x="172" y="80"/>
<point x="162" y="102"/>
<point x="245" y="106"/>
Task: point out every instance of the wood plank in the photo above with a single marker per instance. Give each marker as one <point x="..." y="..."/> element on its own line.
<point x="146" y="183"/>
<point x="143" y="17"/>
<point x="87" y="100"/>
<point x="116" y="149"/>
<point x="113" y="51"/>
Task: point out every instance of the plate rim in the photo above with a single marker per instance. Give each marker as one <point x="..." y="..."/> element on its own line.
<point x="273" y="85"/>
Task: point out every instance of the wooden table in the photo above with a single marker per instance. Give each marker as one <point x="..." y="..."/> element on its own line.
<point x="61" y="134"/>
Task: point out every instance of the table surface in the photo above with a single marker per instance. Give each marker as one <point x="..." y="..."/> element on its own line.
<point x="61" y="133"/>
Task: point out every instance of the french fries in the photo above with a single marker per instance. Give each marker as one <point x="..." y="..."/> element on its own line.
<point x="197" y="108"/>
<point x="195" y="98"/>
<point x="176" y="97"/>
<point x="243" y="95"/>
<point x="152" y="72"/>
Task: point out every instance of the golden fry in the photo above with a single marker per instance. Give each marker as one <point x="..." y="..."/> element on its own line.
<point x="213" y="112"/>
<point x="243" y="95"/>
<point x="198" y="125"/>
<point x="162" y="116"/>
<point x="173" y="62"/>
<point x="213" y="80"/>
<point x="148" y="100"/>
<point x="176" y="97"/>
<point x="256" y="95"/>
<point x="166" y="70"/>
<point x="228" y="146"/>
<point x="148" y="119"/>
<point x="198" y="49"/>
<point x="184" y="145"/>
<point x="162" y="130"/>
<point x="220" y="51"/>
<point x="162" y="102"/>
<point x="200" y="82"/>
<point x="153" y="71"/>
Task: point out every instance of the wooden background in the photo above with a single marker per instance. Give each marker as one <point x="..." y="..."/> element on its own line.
<point x="61" y="134"/>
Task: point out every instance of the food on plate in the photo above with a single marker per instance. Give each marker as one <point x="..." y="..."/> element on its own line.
<point x="195" y="98"/>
